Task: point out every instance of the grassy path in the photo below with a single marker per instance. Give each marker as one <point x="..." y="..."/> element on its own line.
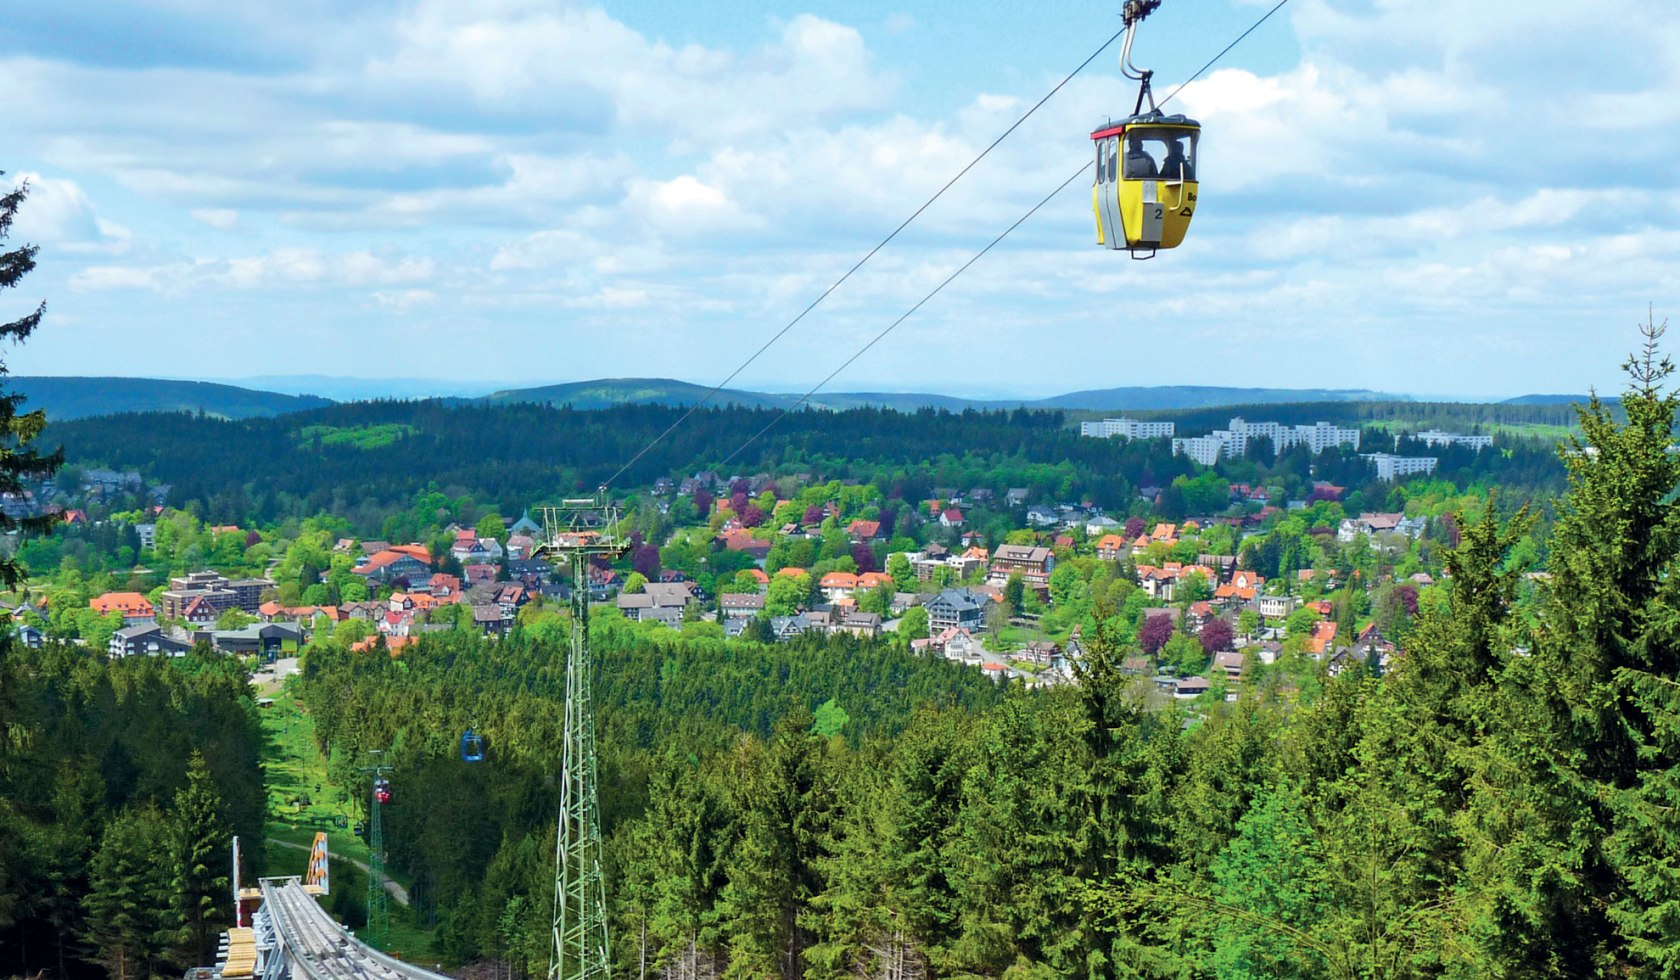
<point x="399" y="894"/>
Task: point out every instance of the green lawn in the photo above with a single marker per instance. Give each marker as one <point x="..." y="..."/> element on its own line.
<point x="1528" y="430"/>
<point x="296" y="769"/>
<point x="359" y="437"/>
<point x="1017" y="637"/>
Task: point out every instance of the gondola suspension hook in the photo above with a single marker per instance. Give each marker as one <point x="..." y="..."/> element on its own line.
<point x="1132" y="14"/>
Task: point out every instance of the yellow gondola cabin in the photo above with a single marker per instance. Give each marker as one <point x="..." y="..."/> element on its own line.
<point x="1145" y="192"/>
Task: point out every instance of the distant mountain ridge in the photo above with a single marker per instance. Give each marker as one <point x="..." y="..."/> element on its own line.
<point x="664" y="391"/>
<point x="1555" y="400"/>
<point x="1205" y="396"/>
<point x="75" y="397"/>
<point x="81" y="397"/>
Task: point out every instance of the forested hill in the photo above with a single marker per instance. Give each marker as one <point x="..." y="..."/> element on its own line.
<point x="356" y="457"/>
<point x="361" y="460"/>
<point x="610" y="392"/>
<point x="74" y="398"/>
<point x="1203" y="396"/>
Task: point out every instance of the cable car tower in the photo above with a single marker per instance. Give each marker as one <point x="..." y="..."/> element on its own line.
<point x="378" y="930"/>
<point x="580" y="530"/>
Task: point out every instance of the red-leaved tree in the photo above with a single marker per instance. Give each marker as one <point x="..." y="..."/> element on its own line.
<point x="1216" y="635"/>
<point x="1154" y="633"/>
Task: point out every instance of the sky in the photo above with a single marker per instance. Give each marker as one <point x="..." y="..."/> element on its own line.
<point x="1469" y="200"/>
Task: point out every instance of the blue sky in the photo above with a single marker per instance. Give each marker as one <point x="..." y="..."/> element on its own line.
<point x="534" y="191"/>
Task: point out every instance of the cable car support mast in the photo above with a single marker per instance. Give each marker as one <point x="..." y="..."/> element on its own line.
<point x="378" y="930"/>
<point x="580" y="530"/>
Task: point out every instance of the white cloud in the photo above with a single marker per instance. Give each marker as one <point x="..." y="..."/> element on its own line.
<point x="58" y="216"/>
<point x="404" y="300"/>
<point x="281" y="267"/>
<point x="552" y="163"/>
<point x="221" y="219"/>
<point x="113" y="277"/>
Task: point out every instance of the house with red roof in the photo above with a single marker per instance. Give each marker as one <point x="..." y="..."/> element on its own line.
<point x="393" y="644"/>
<point x="864" y="531"/>
<point x="873" y="580"/>
<point x="392" y="564"/>
<point x="464" y="543"/>
<point x="1323" y="635"/>
<point x="741" y="539"/>
<point x="135" y="609"/>
<point x="838" y="585"/>
<point x="200" y="610"/>
<point x="951" y="517"/>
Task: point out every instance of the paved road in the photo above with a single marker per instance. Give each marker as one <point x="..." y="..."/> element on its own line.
<point x="397" y="891"/>
<point x="270" y="679"/>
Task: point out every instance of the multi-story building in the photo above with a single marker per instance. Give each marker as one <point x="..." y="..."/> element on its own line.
<point x="136" y="641"/>
<point x="956" y="609"/>
<point x="1234" y="441"/>
<point x="1321" y="436"/>
<point x="1129" y="428"/>
<point x="961" y="566"/>
<point x="1391" y="467"/>
<point x="132" y="606"/>
<point x="1434" y="438"/>
<point x="1032" y="564"/>
<point x="216" y="590"/>
<point x="1203" y="449"/>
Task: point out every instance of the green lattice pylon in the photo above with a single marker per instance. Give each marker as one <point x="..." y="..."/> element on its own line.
<point x="378" y="930"/>
<point x="579" y="530"/>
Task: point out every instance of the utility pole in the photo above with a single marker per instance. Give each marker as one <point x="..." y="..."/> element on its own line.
<point x="580" y="530"/>
<point x="378" y="930"/>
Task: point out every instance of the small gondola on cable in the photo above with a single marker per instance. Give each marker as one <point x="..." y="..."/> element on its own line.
<point x="382" y="790"/>
<point x="1145" y="190"/>
<point x="472" y="746"/>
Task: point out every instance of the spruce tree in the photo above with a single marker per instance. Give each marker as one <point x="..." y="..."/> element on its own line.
<point x="18" y="462"/>
<point x="125" y="930"/>
<point x="1572" y="829"/>
<point x="201" y="850"/>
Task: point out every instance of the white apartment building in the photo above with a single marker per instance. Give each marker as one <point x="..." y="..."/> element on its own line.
<point x="1203" y="449"/>
<point x="1130" y="428"/>
<point x="1389" y="466"/>
<point x="1323" y="435"/>
<point x="1435" y="437"/>
<point x="1234" y="440"/>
